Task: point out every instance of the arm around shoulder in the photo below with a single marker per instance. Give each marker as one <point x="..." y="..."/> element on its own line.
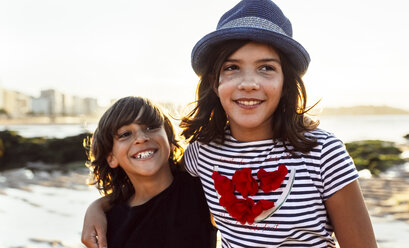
<point x="350" y="218"/>
<point x="95" y="224"/>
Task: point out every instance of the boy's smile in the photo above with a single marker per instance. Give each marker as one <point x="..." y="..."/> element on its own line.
<point x="141" y="150"/>
<point x="144" y="154"/>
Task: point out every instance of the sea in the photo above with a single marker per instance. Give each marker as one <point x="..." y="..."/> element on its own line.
<point x="346" y="127"/>
<point x="40" y="216"/>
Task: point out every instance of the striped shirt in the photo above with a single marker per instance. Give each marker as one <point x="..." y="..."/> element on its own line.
<point x="302" y="220"/>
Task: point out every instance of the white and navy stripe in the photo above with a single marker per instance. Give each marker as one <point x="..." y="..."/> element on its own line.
<point x="302" y="221"/>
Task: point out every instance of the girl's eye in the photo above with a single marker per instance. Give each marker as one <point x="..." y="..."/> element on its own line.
<point x="267" y="68"/>
<point x="230" y="68"/>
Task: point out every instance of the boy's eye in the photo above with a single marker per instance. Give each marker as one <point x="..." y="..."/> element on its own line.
<point x="152" y="128"/>
<point x="124" y="134"/>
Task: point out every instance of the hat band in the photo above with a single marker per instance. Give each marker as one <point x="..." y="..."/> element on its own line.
<point x="253" y="22"/>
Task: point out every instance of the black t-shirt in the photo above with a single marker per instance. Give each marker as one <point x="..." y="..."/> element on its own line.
<point x="176" y="217"/>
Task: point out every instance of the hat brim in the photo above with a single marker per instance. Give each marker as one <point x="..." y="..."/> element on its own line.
<point x="296" y="53"/>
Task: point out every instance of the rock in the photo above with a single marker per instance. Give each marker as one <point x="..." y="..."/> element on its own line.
<point x="365" y="173"/>
<point x="52" y="243"/>
<point x="387" y="196"/>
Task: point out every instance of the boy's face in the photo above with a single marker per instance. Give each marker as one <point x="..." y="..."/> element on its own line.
<point x="141" y="151"/>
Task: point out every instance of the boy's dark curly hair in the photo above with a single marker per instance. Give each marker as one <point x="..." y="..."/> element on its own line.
<point x="114" y="181"/>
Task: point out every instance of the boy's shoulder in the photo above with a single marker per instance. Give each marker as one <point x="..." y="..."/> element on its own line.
<point x="184" y="177"/>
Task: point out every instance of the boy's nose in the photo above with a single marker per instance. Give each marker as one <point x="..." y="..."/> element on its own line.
<point x="141" y="137"/>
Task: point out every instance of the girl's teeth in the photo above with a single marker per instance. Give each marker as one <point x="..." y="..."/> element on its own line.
<point x="249" y="103"/>
<point x="144" y="154"/>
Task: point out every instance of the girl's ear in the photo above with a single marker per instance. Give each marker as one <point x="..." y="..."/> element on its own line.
<point x="216" y="91"/>
<point x="215" y="87"/>
<point x="112" y="161"/>
<point x="173" y="150"/>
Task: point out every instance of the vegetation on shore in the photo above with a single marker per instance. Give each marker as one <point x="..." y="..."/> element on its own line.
<point x="375" y="155"/>
<point x="17" y="151"/>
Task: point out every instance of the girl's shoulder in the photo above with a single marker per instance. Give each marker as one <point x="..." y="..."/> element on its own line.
<point x="319" y="133"/>
<point x="327" y="143"/>
<point x="321" y="136"/>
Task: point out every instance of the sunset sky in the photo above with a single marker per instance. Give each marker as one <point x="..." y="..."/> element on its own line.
<point x="110" y="49"/>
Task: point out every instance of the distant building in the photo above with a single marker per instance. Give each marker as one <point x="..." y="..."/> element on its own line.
<point x="91" y="106"/>
<point x="56" y="99"/>
<point x="79" y="106"/>
<point x="24" y="104"/>
<point x="41" y="106"/>
<point x="16" y="104"/>
<point x="50" y="102"/>
<point x="68" y="105"/>
<point x="3" y="112"/>
<point x="2" y="105"/>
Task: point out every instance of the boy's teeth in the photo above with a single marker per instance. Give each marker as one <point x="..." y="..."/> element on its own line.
<point x="249" y="103"/>
<point x="144" y="154"/>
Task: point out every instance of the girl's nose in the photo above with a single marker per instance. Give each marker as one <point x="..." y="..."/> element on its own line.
<point x="248" y="84"/>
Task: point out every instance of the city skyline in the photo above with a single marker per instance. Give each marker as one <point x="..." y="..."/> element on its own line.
<point x="18" y="104"/>
<point x="50" y="102"/>
<point x="107" y="50"/>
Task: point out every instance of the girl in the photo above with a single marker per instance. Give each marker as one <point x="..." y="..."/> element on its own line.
<point x="270" y="176"/>
<point x="134" y="160"/>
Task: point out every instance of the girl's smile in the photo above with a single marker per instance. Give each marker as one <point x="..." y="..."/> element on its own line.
<point x="250" y="87"/>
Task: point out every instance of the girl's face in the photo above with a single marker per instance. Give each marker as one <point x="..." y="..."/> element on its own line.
<point x="141" y="151"/>
<point x="250" y="86"/>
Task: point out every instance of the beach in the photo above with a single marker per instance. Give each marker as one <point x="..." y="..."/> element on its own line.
<point x="46" y="209"/>
<point x="43" y="209"/>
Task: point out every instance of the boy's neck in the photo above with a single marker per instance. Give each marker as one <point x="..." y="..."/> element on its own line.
<point x="147" y="188"/>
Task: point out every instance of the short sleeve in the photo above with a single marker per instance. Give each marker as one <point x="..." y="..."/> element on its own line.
<point x="191" y="158"/>
<point x="337" y="167"/>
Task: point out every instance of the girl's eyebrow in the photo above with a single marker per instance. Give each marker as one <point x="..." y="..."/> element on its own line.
<point x="270" y="60"/>
<point x="258" y="61"/>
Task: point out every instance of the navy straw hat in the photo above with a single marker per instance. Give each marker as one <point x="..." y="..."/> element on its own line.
<point x="256" y="20"/>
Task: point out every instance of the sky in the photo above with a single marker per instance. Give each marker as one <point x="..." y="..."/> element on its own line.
<point x="110" y="49"/>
